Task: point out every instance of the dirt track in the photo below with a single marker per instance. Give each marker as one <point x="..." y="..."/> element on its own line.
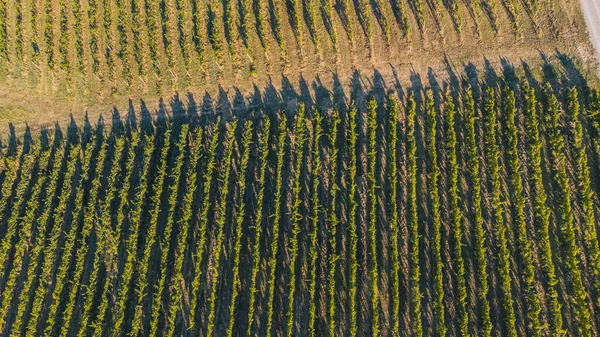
<point x="591" y="12"/>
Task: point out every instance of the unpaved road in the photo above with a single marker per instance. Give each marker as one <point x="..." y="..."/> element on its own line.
<point x="591" y="12"/>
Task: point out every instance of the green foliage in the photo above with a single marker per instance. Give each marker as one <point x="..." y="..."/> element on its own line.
<point x="364" y="16"/>
<point x="263" y="153"/>
<point x="125" y="38"/>
<point x="25" y="177"/>
<point x="103" y="232"/>
<point x="281" y="144"/>
<point x="75" y="244"/>
<point x="184" y="223"/>
<point x="77" y="31"/>
<point x="144" y="266"/>
<point x="311" y="22"/>
<point x="49" y="34"/>
<point x="456" y="15"/>
<point x="11" y="169"/>
<point x="49" y="247"/>
<point x="541" y="209"/>
<point x="533" y="304"/>
<point x="131" y="244"/>
<point x="413" y="220"/>
<point x="140" y="36"/>
<point x="31" y="205"/>
<point x="457" y="217"/>
<point x="110" y="22"/>
<point x="214" y="268"/>
<point x="125" y="238"/>
<point x="185" y="25"/>
<point x="372" y="201"/>
<point x="586" y="195"/>
<point x="492" y="157"/>
<point x="419" y="12"/>
<point x="165" y="243"/>
<point x="95" y="33"/>
<point x="349" y="27"/>
<point x="392" y="141"/>
<point x="300" y="132"/>
<point x="113" y="237"/>
<point x="240" y="213"/>
<point x="297" y="18"/>
<point x="277" y="28"/>
<point x="352" y="233"/>
<point x="215" y="35"/>
<point x="63" y="46"/>
<point x="92" y="218"/>
<point x="3" y="32"/>
<point x="333" y="220"/>
<point x="315" y="207"/>
<point x="434" y="195"/>
<point x="261" y="22"/>
<point x="480" y="233"/>
<point x="211" y="166"/>
<point x="565" y="213"/>
<point x="38" y="225"/>
<point x="154" y="29"/>
<point x="329" y="21"/>
<point x="381" y="14"/>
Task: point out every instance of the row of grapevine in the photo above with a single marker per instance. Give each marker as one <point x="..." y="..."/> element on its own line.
<point x="190" y="181"/>
<point x="215" y="261"/>
<point x="263" y="153"/>
<point x="45" y="248"/>
<point x="131" y="244"/>
<point x="22" y="246"/>
<point x="352" y="139"/>
<point x="282" y="140"/>
<point x="533" y="305"/>
<point x="90" y="222"/>
<point x="240" y="213"/>
<point x="372" y="201"/>
<point x="393" y="111"/>
<point x="456" y="217"/>
<point x="78" y="248"/>
<point x="434" y="195"/>
<point x="164" y="244"/>
<point x="301" y="137"/>
<point x="586" y="195"/>
<point x="315" y="208"/>
<point x="144" y="266"/>
<point x="102" y="234"/>
<point x="333" y="221"/>
<point x="11" y="168"/>
<point x="565" y="215"/>
<point x="413" y="220"/>
<point x="480" y="233"/>
<point x="51" y="250"/>
<point x="211" y="166"/>
<point x="27" y="175"/>
<point x="38" y="228"/>
<point x="492" y="157"/>
<point x="214" y="268"/>
<point x="541" y="210"/>
<point x="113" y="237"/>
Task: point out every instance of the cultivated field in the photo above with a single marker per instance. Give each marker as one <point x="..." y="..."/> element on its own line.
<point x="426" y="211"/>
<point x="76" y="56"/>
<point x="298" y="168"/>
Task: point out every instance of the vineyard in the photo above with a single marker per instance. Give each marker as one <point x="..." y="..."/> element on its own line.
<point x="100" y="52"/>
<point x="438" y="210"/>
